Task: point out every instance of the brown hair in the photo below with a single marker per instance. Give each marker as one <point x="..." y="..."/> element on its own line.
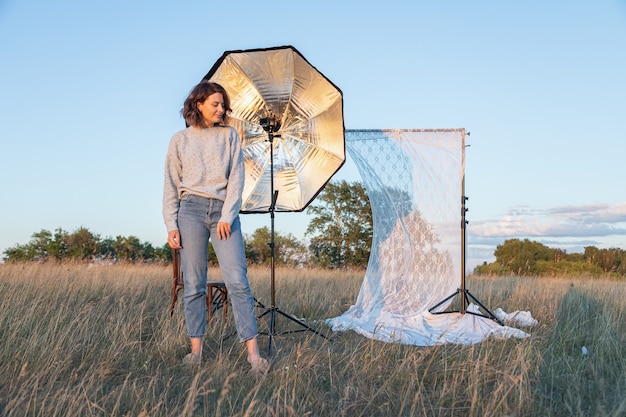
<point x="190" y="111"/>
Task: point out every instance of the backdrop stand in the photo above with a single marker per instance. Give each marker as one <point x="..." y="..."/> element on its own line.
<point x="464" y="293"/>
<point x="270" y="126"/>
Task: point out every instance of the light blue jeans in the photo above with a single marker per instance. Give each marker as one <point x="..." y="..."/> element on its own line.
<point x="197" y="222"/>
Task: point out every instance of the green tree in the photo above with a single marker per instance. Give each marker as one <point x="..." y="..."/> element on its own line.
<point x="342" y="226"/>
<point x="82" y="244"/>
<point x="292" y="251"/>
<point x="163" y="253"/>
<point x="107" y="250"/>
<point x="521" y="256"/>
<point x="58" y="248"/>
<point x="287" y="249"/>
<point x="128" y="249"/>
<point x="42" y="246"/>
<point x="257" y="246"/>
<point x="533" y="258"/>
<point x="612" y="260"/>
<point x="17" y="253"/>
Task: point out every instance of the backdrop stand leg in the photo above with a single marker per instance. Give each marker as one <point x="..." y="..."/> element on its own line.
<point x="465" y="296"/>
<point x="463" y="292"/>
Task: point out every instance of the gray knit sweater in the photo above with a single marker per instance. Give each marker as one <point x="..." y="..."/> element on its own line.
<point x="206" y="162"/>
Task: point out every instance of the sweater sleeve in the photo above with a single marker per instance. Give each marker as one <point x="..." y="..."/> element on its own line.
<point x="236" y="178"/>
<point x="172" y="177"/>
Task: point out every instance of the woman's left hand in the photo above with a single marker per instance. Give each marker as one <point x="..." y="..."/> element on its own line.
<point x="223" y="230"/>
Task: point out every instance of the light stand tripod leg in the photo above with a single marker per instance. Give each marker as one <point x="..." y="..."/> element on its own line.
<point x="272" y="330"/>
<point x="300" y="322"/>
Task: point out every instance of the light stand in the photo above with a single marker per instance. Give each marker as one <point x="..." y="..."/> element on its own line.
<point x="270" y="125"/>
<point x="465" y="294"/>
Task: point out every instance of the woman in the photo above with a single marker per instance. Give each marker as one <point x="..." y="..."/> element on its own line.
<point x="204" y="179"/>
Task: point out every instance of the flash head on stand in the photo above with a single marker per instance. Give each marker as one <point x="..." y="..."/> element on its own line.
<point x="270" y="124"/>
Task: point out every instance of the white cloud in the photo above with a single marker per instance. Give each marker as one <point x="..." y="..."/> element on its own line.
<point x="596" y="220"/>
<point x="571" y="228"/>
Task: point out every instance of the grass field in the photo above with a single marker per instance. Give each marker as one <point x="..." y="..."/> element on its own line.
<point x="98" y="341"/>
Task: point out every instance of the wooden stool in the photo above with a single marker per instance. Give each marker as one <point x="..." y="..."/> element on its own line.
<point x="216" y="294"/>
<point x="216" y="297"/>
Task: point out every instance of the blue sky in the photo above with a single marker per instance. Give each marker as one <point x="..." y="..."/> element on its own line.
<point x="90" y="94"/>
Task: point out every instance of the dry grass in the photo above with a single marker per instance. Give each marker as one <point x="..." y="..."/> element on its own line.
<point x="80" y="341"/>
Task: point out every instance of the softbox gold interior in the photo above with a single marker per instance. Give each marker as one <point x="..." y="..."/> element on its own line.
<point x="280" y="87"/>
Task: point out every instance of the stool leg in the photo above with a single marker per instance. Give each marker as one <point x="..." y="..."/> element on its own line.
<point x="177" y="282"/>
<point x="225" y="302"/>
<point x="213" y="292"/>
<point x="209" y="302"/>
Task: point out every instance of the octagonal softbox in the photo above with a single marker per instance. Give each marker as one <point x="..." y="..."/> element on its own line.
<point x="304" y="110"/>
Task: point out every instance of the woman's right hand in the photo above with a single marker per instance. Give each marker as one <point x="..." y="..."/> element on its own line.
<point x="173" y="238"/>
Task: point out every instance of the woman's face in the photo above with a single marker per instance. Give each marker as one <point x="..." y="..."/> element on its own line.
<point x="212" y="108"/>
